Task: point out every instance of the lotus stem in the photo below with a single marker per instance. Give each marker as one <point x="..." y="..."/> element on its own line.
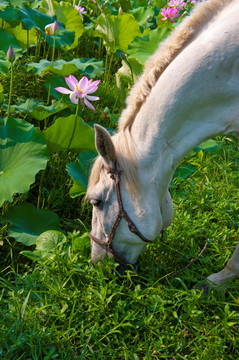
<point x="52" y="64"/>
<point x="27" y="41"/>
<point x="74" y="128"/>
<point x="10" y="92"/>
<point x="40" y="188"/>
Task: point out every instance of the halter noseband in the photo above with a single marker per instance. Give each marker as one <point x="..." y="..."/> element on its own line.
<point x="115" y="176"/>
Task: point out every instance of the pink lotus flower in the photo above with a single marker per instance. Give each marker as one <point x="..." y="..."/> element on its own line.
<point x="81" y="10"/>
<point x="80" y="90"/>
<point x="52" y="29"/>
<point x="179" y="4"/>
<point x="169" y="14"/>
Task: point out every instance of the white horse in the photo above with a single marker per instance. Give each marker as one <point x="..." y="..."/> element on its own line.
<point x="189" y="92"/>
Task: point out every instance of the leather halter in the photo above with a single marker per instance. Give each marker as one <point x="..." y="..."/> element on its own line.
<point x="115" y="176"/>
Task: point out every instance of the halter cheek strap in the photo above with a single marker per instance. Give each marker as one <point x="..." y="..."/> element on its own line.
<point x="115" y="176"/>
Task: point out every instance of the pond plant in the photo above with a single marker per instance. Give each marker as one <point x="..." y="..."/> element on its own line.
<point x="54" y="303"/>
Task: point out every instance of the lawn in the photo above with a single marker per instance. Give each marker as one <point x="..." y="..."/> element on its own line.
<point x="54" y="303"/>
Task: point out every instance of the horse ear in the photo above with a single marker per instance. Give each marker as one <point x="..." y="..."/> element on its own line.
<point x="104" y="145"/>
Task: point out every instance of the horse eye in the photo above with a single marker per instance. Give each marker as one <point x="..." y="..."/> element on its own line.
<point x="95" y="202"/>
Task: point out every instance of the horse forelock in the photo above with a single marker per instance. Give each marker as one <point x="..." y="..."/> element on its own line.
<point x="168" y="50"/>
<point x="126" y="155"/>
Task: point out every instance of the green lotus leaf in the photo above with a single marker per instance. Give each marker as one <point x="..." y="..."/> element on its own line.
<point x="23" y="153"/>
<point x="22" y="35"/>
<point x="10" y="15"/>
<point x="33" y="18"/>
<point x="125" y="5"/>
<point x="158" y="3"/>
<point x="91" y="67"/>
<point x="142" y="47"/>
<point x="3" y="4"/>
<point x="38" y="110"/>
<point x="49" y="240"/>
<point x="139" y="3"/>
<point x="130" y="70"/>
<point x="184" y="171"/>
<point x="6" y="40"/>
<point x="1" y="94"/>
<point x="4" y="64"/>
<point x="58" y="136"/>
<point x="69" y="16"/>
<point x="28" y="223"/>
<point x="15" y="3"/>
<point x="141" y="13"/>
<point x="81" y="245"/>
<point x="79" y="171"/>
<point x="117" y="31"/>
<point x="208" y="146"/>
<point x="35" y="4"/>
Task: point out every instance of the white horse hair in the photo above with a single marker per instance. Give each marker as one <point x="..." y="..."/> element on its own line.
<point x="189" y="92"/>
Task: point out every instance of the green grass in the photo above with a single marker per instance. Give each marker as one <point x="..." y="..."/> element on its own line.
<point x="64" y="308"/>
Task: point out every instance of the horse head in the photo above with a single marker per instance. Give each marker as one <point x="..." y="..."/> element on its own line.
<point x="122" y="223"/>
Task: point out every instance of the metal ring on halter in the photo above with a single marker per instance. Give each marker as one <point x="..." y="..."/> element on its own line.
<point x="115" y="176"/>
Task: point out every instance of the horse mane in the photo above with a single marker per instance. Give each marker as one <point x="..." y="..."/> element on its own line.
<point x="168" y="50"/>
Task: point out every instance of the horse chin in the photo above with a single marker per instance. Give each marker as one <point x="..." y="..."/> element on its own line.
<point x="96" y="258"/>
<point x="123" y="268"/>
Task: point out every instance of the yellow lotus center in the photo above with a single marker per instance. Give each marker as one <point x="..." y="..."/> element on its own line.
<point x="77" y="88"/>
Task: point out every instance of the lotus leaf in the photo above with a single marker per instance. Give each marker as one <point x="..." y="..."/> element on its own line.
<point x="142" y="47"/>
<point x="49" y="240"/>
<point x="33" y="18"/>
<point x="3" y="4"/>
<point x="117" y="31"/>
<point x="130" y="70"/>
<point x="15" y="3"/>
<point x="185" y="171"/>
<point x="4" y="64"/>
<point x="208" y="146"/>
<point x="10" y="15"/>
<point x="125" y="5"/>
<point x="1" y="94"/>
<point x="79" y="171"/>
<point x="23" y="153"/>
<point x="27" y="223"/>
<point x="58" y="136"/>
<point x="6" y="39"/>
<point x="38" y="110"/>
<point x="91" y="67"/>
<point x="21" y="35"/>
<point x="142" y="13"/>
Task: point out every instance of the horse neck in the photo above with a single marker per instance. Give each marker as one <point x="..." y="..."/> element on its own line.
<point x="196" y="98"/>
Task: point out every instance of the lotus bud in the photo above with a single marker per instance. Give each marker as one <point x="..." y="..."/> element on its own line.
<point x="48" y="29"/>
<point x="10" y="54"/>
<point x="52" y="29"/>
<point x="55" y="28"/>
<point x="122" y="55"/>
